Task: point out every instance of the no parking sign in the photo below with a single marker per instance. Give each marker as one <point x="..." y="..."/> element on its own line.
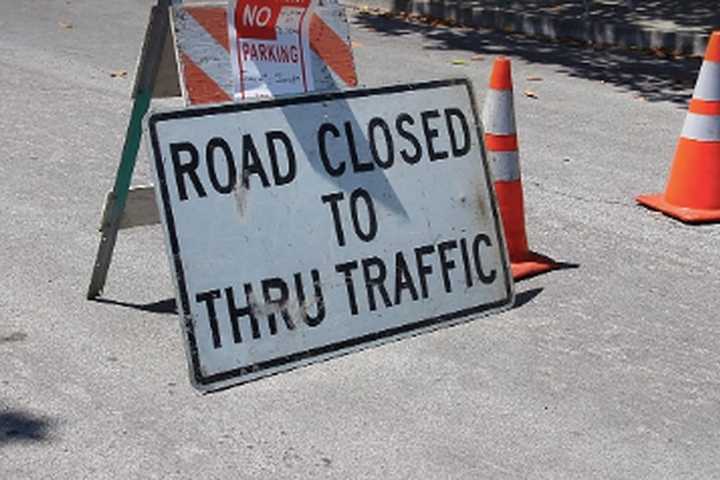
<point x="280" y="47"/>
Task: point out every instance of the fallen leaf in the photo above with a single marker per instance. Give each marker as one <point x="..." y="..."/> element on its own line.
<point x="118" y="73"/>
<point x="66" y="25"/>
<point x="534" y="79"/>
<point x="459" y="61"/>
<point x="477" y="58"/>
<point x="530" y="94"/>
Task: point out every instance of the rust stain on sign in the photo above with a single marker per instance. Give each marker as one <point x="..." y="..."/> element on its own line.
<point x="241" y="192"/>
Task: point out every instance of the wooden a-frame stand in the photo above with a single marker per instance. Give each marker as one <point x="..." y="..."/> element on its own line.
<point x="156" y="77"/>
<point x="164" y="70"/>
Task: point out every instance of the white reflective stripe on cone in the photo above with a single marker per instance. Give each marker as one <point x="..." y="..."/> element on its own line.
<point x="498" y="112"/>
<point x="505" y="166"/>
<point x="705" y="128"/>
<point x="707" y="86"/>
<point x="202" y="49"/>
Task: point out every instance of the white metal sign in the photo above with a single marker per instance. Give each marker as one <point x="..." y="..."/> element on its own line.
<point x="270" y="47"/>
<point x="303" y="228"/>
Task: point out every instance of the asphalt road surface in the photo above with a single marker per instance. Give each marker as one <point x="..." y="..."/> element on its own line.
<point x="607" y="370"/>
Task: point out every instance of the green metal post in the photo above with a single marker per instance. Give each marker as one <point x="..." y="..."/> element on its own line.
<point x="110" y="227"/>
<point x="151" y="55"/>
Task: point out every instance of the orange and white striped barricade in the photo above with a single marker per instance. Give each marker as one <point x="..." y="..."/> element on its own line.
<point x="204" y="51"/>
<point x="187" y="53"/>
<point x="692" y="194"/>
<point x="503" y="156"/>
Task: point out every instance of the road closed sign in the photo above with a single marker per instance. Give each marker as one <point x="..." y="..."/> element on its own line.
<point x="303" y="228"/>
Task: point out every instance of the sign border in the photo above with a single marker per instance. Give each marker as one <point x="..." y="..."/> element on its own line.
<point x="236" y="376"/>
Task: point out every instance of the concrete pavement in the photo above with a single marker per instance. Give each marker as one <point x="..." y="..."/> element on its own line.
<point x="608" y="370"/>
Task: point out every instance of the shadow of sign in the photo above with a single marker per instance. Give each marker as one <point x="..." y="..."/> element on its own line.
<point x="522" y="298"/>
<point x="22" y="427"/>
<point x="167" y="306"/>
<point x="347" y="146"/>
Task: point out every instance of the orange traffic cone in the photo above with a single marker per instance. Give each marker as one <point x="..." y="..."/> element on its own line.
<point x="693" y="190"/>
<point x="502" y="149"/>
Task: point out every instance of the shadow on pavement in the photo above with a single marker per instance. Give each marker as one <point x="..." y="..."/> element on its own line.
<point x="566" y="266"/>
<point x="167" y="306"/>
<point x="526" y="297"/>
<point x="21" y="427"/>
<point x="667" y="14"/>
<point x="654" y="78"/>
<point x="680" y="14"/>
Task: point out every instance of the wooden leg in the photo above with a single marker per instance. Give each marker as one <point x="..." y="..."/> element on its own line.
<point x="109" y="229"/>
<point x="150" y="58"/>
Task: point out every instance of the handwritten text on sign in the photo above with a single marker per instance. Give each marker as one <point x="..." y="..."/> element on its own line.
<point x="270" y="48"/>
<point x="303" y="228"/>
